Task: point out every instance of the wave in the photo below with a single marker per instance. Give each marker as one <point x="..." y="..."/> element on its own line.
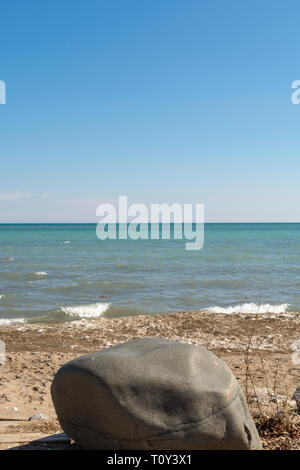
<point x="86" y="311"/>
<point x="22" y="276"/>
<point x="8" y="321"/>
<point x="249" y="308"/>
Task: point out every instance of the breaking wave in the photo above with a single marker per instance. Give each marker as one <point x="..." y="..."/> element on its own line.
<point x="86" y="311"/>
<point x="249" y="308"/>
<point x="8" y="321"/>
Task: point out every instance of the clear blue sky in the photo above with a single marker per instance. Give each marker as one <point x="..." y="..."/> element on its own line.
<point x="161" y="100"/>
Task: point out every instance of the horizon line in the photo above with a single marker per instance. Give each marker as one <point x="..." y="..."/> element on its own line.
<point x="96" y="223"/>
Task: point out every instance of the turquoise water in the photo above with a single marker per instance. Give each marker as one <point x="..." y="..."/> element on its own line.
<point x="64" y="272"/>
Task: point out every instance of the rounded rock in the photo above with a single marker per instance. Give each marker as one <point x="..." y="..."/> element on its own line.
<point x="153" y="393"/>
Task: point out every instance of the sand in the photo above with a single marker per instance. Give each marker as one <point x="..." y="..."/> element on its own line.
<point x="34" y="352"/>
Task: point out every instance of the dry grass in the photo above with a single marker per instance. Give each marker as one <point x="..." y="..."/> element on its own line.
<point x="276" y="416"/>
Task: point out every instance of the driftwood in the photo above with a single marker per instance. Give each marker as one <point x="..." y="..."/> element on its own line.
<point x="34" y="437"/>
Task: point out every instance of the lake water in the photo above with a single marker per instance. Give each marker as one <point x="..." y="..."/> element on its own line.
<point x="63" y="272"/>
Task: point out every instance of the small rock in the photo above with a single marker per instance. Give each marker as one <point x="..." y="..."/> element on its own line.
<point x="292" y="403"/>
<point x="38" y="416"/>
<point x="296" y="396"/>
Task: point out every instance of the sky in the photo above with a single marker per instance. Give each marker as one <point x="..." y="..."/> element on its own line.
<point x="160" y="100"/>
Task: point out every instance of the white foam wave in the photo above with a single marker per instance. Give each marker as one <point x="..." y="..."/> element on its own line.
<point x="9" y="321"/>
<point x="41" y="273"/>
<point x="249" y="308"/>
<point x="67" y="242"/>
<point x="86" y="311"/>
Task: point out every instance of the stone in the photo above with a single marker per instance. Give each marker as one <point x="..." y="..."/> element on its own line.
<point x="296" y="394"/>
<point x="296" y="397"/>
<point x="38" y="416"/>
<point x="152" y="393"/>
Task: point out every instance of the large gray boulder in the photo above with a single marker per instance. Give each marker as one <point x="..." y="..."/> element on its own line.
<point x="152" y="393"/>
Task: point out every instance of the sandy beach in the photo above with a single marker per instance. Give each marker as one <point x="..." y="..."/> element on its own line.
<point x="34" y="352"/>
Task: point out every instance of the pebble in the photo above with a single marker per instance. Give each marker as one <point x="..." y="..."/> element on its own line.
<point x="38" y="416"/>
